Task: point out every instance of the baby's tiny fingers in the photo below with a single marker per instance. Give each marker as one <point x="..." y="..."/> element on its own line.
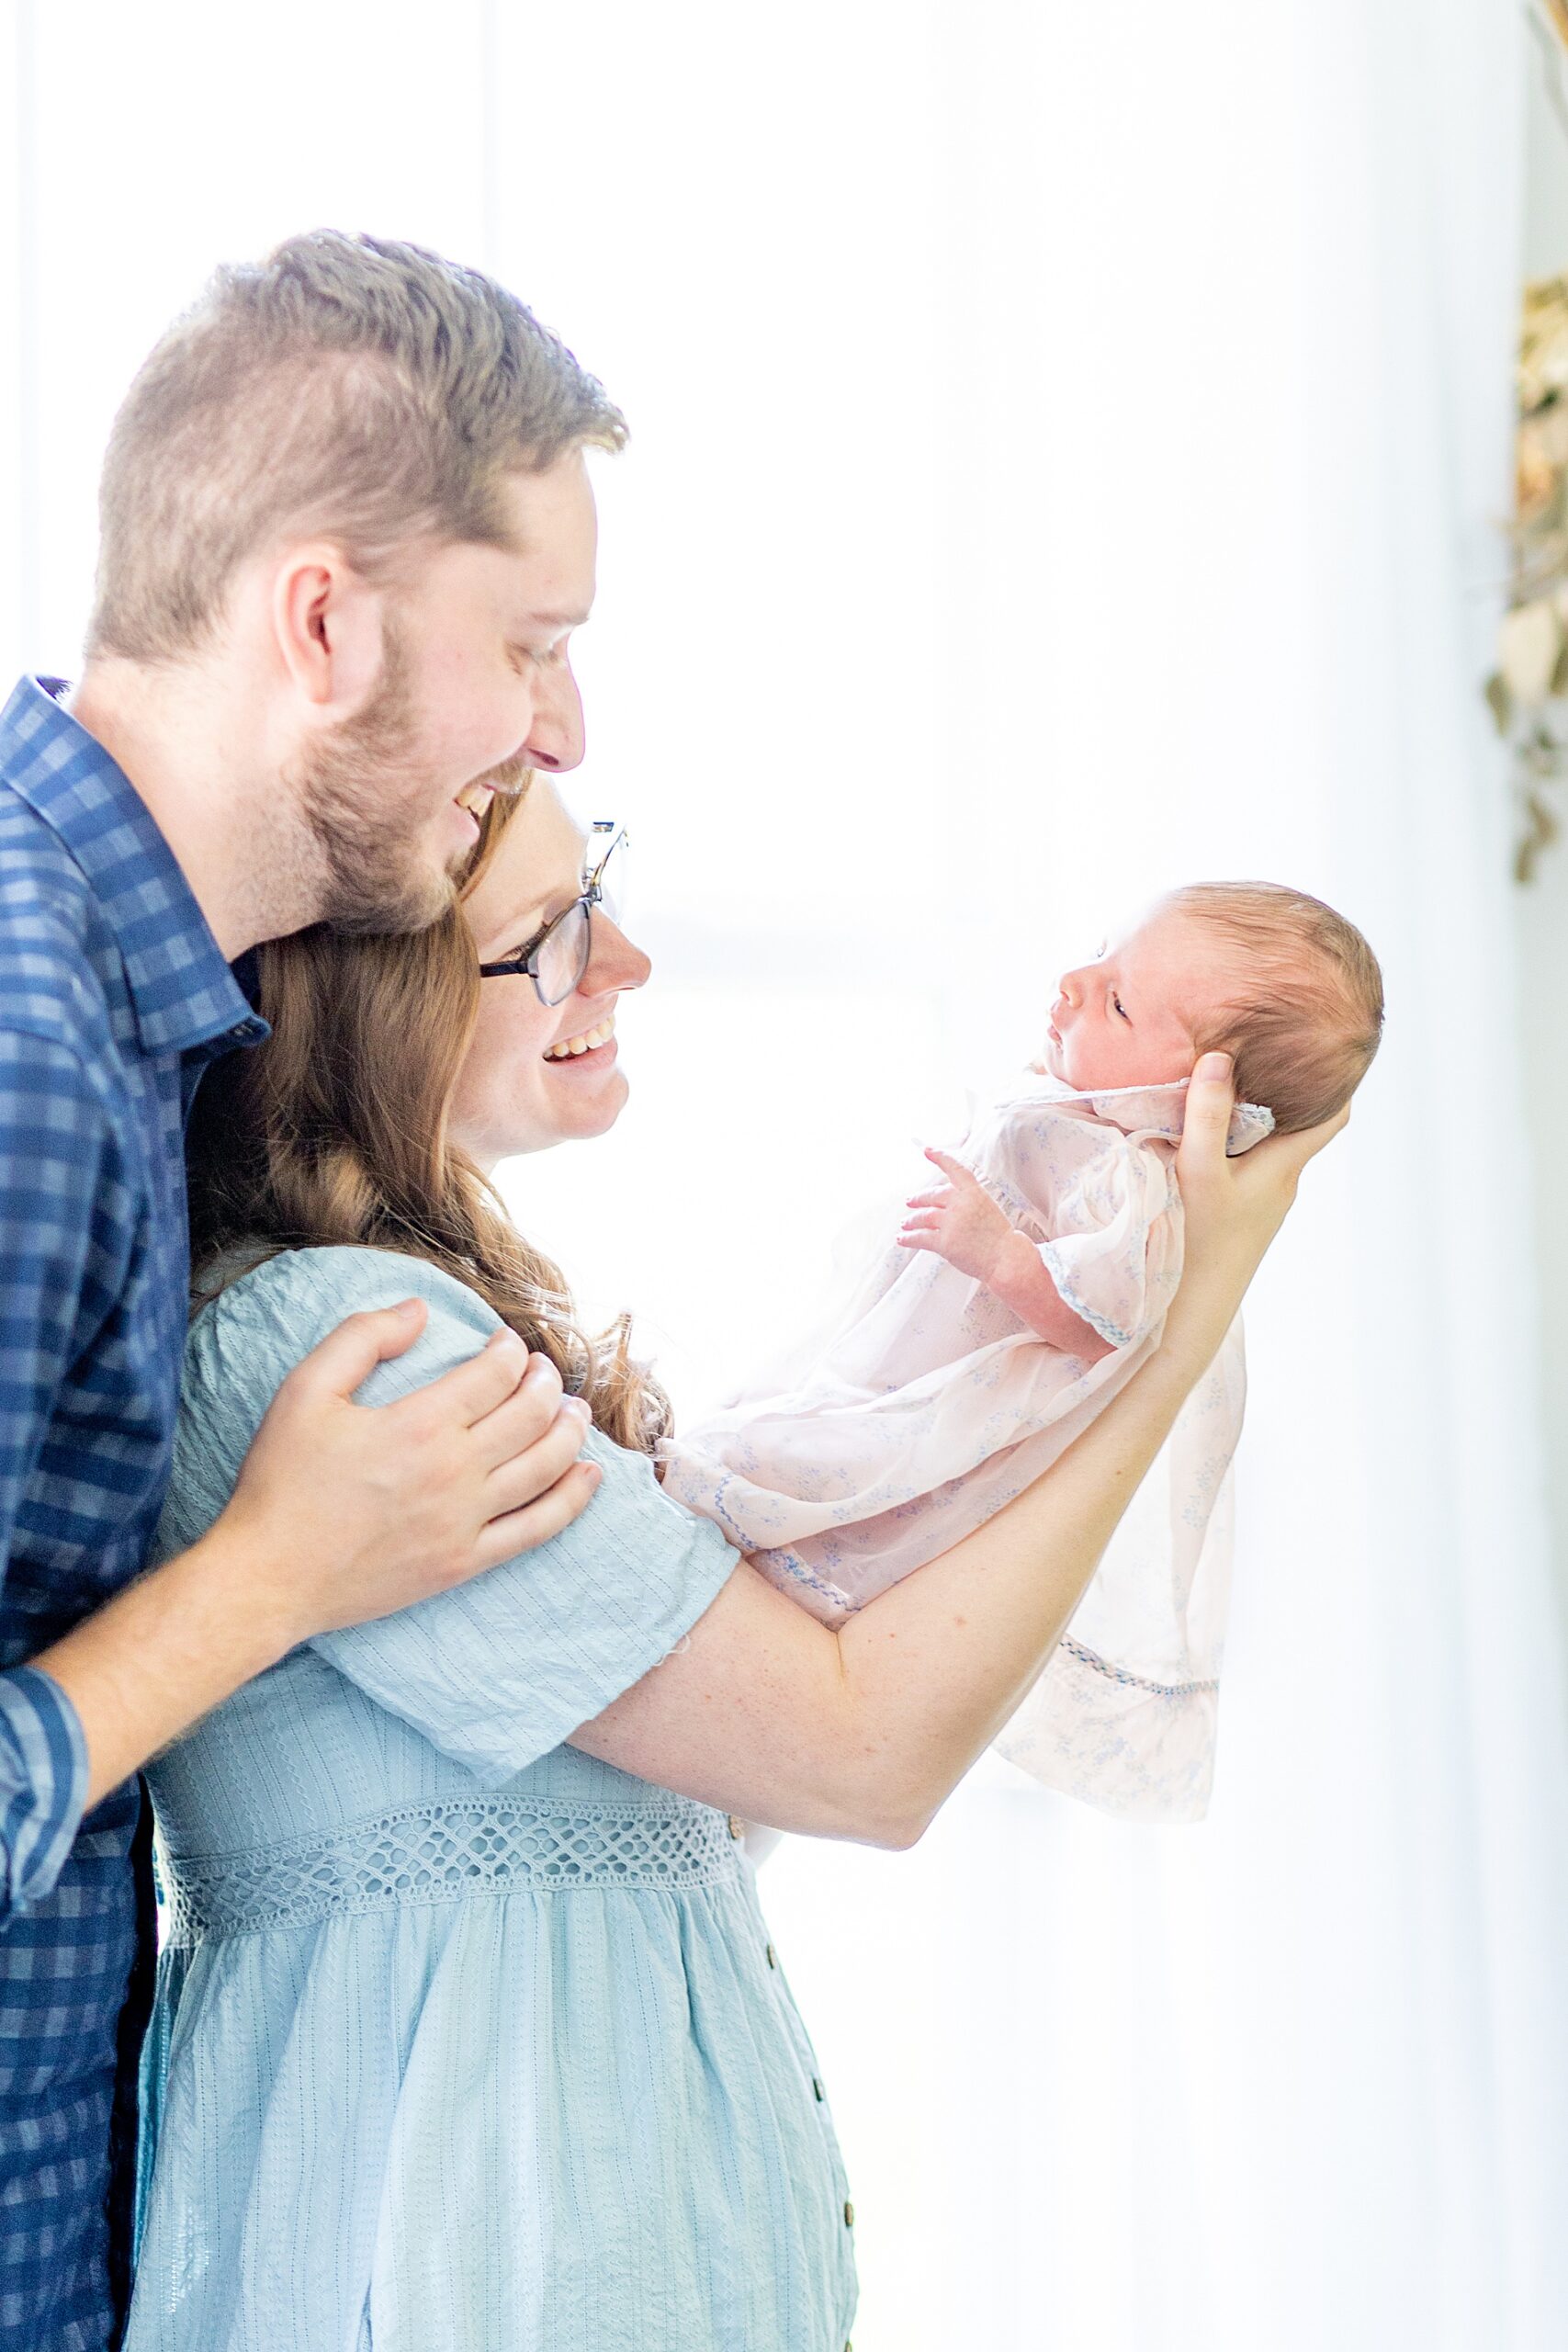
<point x="940" y="1199"/>
<point x="954" y="1169"/>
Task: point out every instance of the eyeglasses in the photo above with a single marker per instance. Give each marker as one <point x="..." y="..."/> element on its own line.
<point x="555" y="958"/>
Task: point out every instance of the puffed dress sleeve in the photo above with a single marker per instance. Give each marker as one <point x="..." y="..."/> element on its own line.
<point x="500" y="1670"/>
<point x="1114" y="1245"/>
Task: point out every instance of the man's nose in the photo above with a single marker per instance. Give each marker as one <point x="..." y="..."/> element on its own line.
<point x="555" y="739"/>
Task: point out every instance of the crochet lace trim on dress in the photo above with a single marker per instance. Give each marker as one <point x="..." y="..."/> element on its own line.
<point x="443" y="1853"/>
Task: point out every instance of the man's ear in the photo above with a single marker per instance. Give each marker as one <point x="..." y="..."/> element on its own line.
<point x="328" y="624"/>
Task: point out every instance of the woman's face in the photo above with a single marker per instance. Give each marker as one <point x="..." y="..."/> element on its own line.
<point x="516" y="1091"/>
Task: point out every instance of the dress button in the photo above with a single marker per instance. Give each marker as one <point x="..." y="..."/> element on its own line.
<point x="816" y="2087"/>
<point x="848" y="2215"/>
<point x="737" y="1826"/>
<point x="773" y="1957"/>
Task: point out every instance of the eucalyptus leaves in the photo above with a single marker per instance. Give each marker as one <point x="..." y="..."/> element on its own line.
<point x="1529" y="689"/>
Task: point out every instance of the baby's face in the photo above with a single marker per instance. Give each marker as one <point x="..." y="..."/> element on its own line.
<point x="1129" y="1018"/>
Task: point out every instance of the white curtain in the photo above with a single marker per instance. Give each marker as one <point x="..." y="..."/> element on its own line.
<point x="1069" y="451"/>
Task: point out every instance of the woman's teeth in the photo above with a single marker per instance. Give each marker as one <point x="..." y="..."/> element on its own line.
<point x="584" y="1044"/>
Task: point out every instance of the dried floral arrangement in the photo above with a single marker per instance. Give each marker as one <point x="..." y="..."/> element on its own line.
<point x="1529" y="689"/>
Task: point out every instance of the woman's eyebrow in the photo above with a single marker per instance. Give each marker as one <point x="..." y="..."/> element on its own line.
<point x="543" y="910"/>
<point x="524" y="925"/>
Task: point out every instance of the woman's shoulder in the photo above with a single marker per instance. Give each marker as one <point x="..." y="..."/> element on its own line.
<point x="246" y="1341"/>
<point x="296" y="1296"/>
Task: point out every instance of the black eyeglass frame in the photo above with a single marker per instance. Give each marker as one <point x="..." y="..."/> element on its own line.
<point x="527" y="960"/>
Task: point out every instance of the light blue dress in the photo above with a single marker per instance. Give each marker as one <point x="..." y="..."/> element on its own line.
<point x="464" y="2042"/>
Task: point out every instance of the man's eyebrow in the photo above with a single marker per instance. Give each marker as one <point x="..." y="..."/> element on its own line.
<point x="574" y="619"/>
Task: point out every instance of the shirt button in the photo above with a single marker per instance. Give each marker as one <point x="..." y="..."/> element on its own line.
<point x="848" y="2215"/>
<point x="773" y="1957"/>
<point x="737" y="1826"/>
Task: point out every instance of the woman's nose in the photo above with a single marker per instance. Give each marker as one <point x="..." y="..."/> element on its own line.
<point x="555" y="739"/>
<point x="613" y="962"/>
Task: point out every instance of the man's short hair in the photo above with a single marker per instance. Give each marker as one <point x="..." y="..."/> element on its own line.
<point x="347" y="388"/>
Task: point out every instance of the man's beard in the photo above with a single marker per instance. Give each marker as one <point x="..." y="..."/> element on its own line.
<point x="367" y="805"/>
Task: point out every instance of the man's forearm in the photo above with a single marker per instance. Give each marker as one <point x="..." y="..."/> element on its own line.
<point x="164" y="1652"/>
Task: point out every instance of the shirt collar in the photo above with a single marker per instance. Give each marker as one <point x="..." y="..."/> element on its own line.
<point x="181" y="991"/>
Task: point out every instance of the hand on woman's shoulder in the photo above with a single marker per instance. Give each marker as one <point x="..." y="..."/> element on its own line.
<point x="246" y="1340"/>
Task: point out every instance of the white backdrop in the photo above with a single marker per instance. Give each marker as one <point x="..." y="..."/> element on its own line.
<point x="1067" y="449"/>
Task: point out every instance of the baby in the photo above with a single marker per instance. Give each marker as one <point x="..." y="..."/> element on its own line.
<point x="1022" y="1293"/>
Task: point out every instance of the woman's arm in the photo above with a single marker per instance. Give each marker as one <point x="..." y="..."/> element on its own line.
<point x="863" y="1731"/>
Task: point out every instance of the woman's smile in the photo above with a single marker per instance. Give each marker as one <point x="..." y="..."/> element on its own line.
<point x="589" y="1048"/>
<point x="533" y="1074"/>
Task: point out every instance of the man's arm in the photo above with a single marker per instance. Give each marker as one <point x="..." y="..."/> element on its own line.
<point x="423" y="1494"/>
<point x="339" y="1513"/>
<point x="58" y="1162"/>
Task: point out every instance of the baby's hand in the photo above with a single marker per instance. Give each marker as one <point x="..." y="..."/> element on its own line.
<point x="959" y="1221"/>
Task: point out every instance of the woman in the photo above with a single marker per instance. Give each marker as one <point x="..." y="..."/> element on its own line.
<point x="470" y="2033"/>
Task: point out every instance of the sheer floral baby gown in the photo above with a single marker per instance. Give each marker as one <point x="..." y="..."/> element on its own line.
<point x="933" y="1405"/>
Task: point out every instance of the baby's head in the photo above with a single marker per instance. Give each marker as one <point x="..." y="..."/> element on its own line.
<point x="1267" y="974"/>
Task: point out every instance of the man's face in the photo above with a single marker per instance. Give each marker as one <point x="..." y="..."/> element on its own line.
<point x="476" y="687"/>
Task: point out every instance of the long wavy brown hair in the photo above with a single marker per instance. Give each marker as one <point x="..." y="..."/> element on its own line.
<point x="336" y="1131"/>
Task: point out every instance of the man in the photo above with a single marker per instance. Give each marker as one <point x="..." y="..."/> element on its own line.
<point x="347" y="534"/>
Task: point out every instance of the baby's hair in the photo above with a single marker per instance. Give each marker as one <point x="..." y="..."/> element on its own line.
<point x="1307" y="1015"/>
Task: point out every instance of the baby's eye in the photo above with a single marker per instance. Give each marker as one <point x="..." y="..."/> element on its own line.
<point x="1121" y="1008"/>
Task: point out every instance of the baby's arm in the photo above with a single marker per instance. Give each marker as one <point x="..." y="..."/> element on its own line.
<point x="959" y="1221"/>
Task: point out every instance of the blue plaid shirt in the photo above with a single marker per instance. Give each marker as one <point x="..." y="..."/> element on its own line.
<point x="113" y="997"/>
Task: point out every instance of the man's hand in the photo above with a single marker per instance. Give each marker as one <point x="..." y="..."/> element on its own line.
<point x="958" y="1221"/>
<point x="360" y="1510"/>
<point x="340" y="1513"/>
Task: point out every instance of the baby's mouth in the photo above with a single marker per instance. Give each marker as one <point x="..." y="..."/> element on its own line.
<point x="569" y="1048"/>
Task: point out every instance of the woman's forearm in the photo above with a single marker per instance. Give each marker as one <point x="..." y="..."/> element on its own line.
<point x="935" y="1666"/>
<point x="861" y="1732"/>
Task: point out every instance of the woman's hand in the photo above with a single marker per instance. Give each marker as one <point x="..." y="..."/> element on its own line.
<point x="1232" y="1207"/>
